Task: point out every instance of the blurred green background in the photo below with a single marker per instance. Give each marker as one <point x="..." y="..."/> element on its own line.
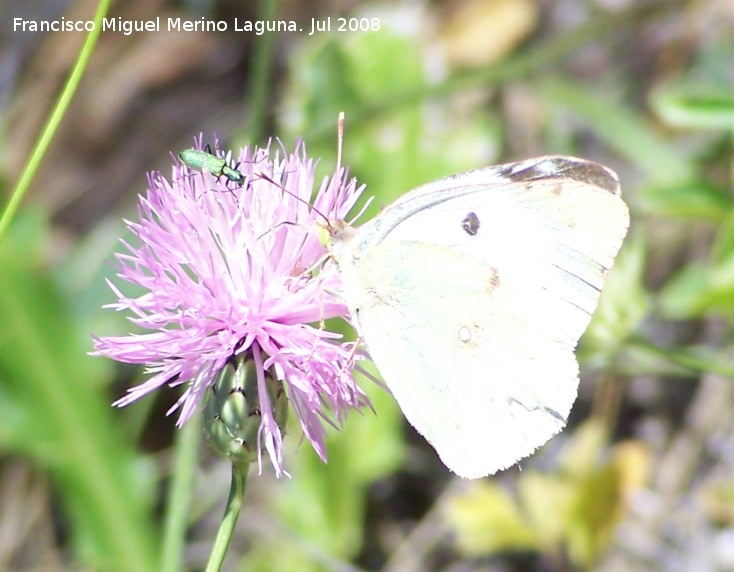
<point x="643" y="477"/>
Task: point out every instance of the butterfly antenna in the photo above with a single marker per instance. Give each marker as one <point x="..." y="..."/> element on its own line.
<point x="340" y="145"/>
<point x="339" y="141"/>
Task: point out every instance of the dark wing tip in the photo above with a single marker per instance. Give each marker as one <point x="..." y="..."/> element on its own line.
<point x="564" y="167"/>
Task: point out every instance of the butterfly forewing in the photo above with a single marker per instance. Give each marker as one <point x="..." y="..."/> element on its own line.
<point x="555" y="233"/>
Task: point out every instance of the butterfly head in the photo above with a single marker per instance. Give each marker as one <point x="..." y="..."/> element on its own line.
<point x="334" y="235"/>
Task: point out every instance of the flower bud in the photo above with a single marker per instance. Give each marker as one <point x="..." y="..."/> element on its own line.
<point x="233" y="411"/>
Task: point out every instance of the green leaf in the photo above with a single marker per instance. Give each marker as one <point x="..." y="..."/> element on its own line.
<point x="702" y="287"/>
<point x="486" y="520"/>
<point x="697" y="199"/>
<point x="623" y="305"/>
<point x="60" y="417"/>
<point x="695" y="106"/>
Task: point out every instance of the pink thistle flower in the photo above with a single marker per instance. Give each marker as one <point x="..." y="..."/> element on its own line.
<point x="225" y="270"/>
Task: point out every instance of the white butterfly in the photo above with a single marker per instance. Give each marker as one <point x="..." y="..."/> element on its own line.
<point x="471" y="293"/>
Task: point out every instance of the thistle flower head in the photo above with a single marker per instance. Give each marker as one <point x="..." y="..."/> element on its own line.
<point x="227" y="270"/>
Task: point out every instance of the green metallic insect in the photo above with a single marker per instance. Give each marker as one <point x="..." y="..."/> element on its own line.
<point x="200" y="160"/>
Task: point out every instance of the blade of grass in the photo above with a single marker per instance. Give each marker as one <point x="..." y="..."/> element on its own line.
<point x="624" y="131"/>
<point x="262" y="58"/>
<point x="54" y="120"/>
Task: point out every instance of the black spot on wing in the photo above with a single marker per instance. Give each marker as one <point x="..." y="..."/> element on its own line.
<point x="470" y="224"/>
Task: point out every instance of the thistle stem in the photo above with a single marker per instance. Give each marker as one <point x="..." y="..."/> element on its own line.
<point x="231" y="513"/>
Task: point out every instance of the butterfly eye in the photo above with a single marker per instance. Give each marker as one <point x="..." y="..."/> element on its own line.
<point x="470" y="224"/>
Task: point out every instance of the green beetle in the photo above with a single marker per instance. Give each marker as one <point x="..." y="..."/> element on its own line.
<point x="200" y="160"/>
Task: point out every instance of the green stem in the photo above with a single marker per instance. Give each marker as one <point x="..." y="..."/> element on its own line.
<point x="54" y="119"/>
<point x="259" y="78"/>
<point x="187" y="443"/>
<point x="684" y="358"/>
<point x="231" y="513"/>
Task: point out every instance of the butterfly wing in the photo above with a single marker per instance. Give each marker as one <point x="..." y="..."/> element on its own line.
<point x="471" y="294"/>
<point x="464" y="353"/>
<point x="555" y="222"/>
